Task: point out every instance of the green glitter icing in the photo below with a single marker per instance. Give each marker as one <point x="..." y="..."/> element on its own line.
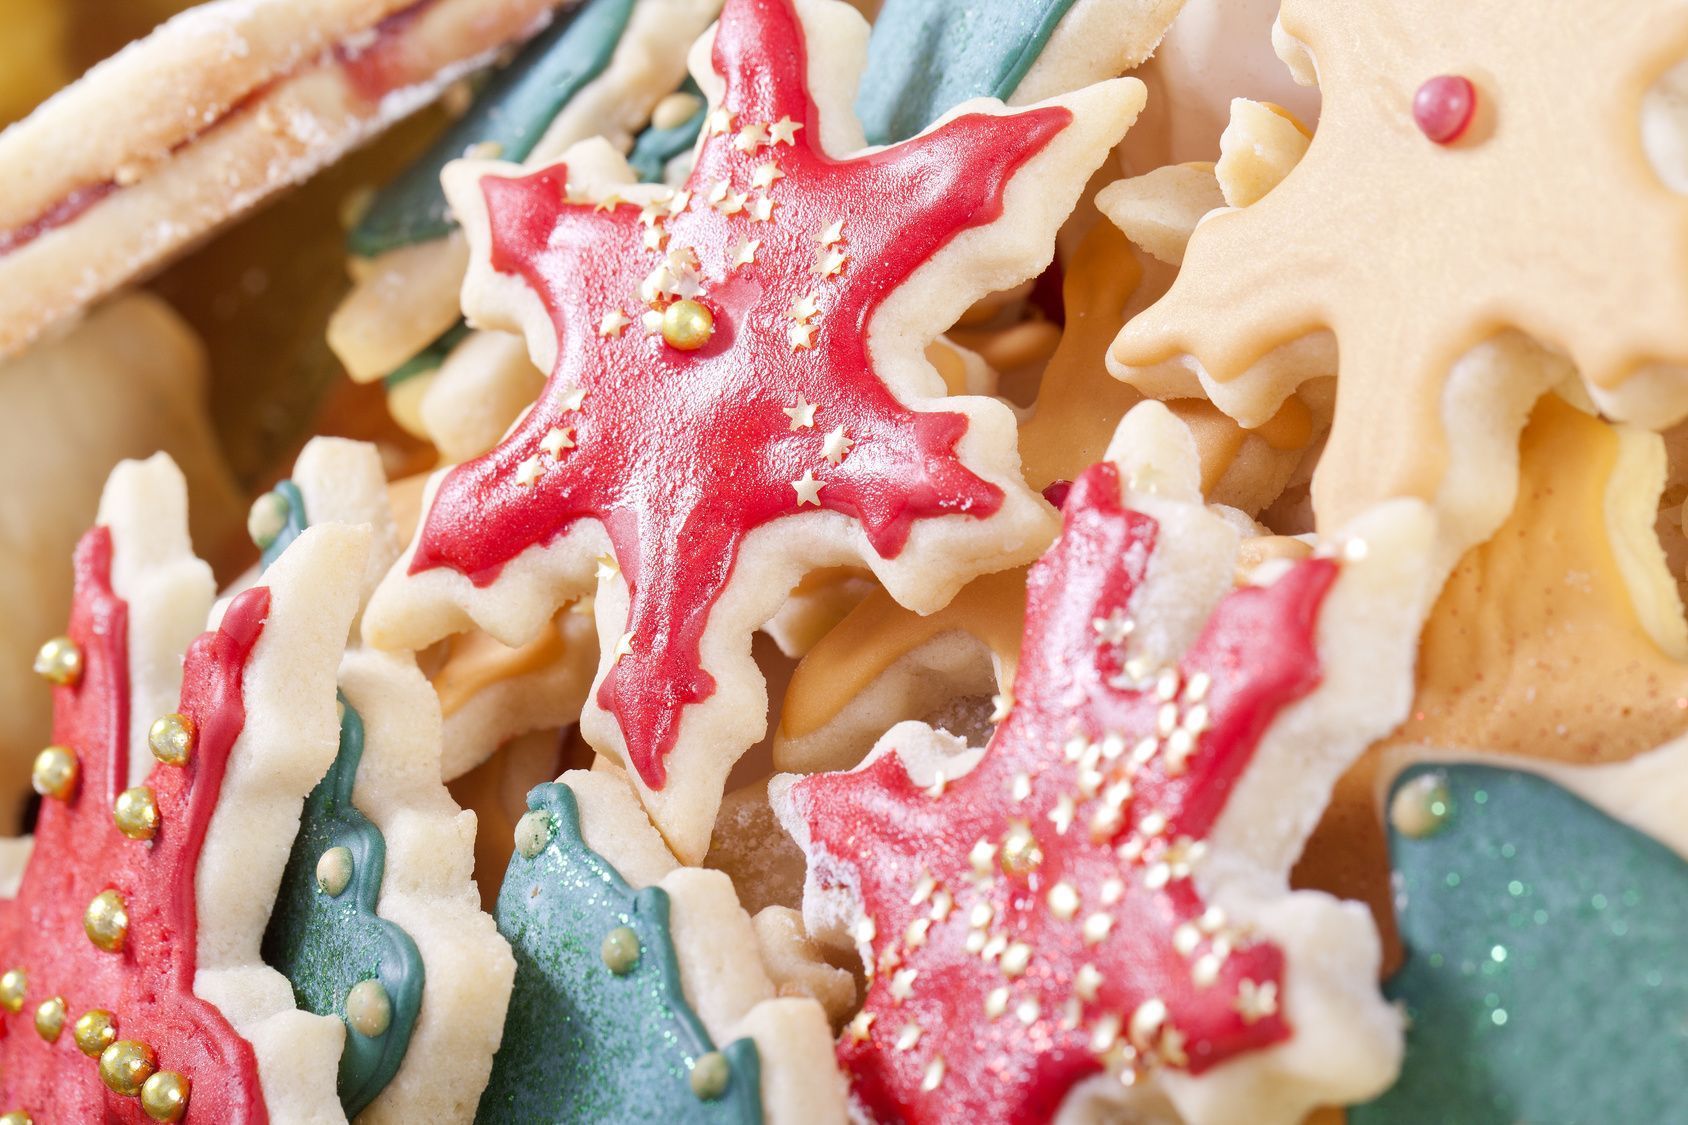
<point x="926" y="56"/>
<point x="513" y="112"/>
<point x="582" y="1044"/>
<point x="295" y="524"/>
<point x="325" y="944"/>
<point x="430" y="357"/>
<point x="656" y="147"/>
<point x="1544" y="978"/>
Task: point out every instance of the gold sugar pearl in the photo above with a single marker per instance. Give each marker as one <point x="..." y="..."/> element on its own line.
<point x="1020" y="853"/>
<point x="55" y="772"/>
<point x="533" y="832"/>
<point x="171" y="738"/>
<point x="164" y="1096"/>
<point x="267" y="518"/>
<point x="16" y="1117"/>
<point x="59" y="661"/>
<point x="687" y="325"/>
<point x="620" y="950"/>
<point x="126" y="1065"/>
<point x="710" y="1075"/>
<point x="369" y="1011"/>
<point x="136" y="813"/>
<point x="13" y="984"/>
<point x="94" y="1031"/>
<point x="106" y="921"/>
<point x="334" y="871"/>
<point x="49" y="1019"/>
<point x="1422" y="807"/>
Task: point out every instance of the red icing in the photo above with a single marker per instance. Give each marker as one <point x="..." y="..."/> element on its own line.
<point x="1444" y="106"/>
<point x="681" y="455"/>
<point x="79" y="853"/>
<point x="378" y="64"/>
<point x="876" y="830"/>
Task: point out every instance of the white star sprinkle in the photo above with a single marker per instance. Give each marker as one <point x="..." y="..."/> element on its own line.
<point x="808" y="489"/>
<point x="557" y="440"/>
<point x="802" y="336"/>
<point x="762" y="209"/>
<point x="830" y="263"/>
<point x="745" y="253"/>
<point x="1255" y="1001"/>
<point x="529" y="471"/>
<point x="802" y="414"/>
<point x="614" y="323"/>
<point x="832" y="235"/>
<point x="751" y="137"/>
<point x="838" y="444"/>
<point x="722" y="121"/>
<point x="783" y="132"/>
<point x="607" y="568"/>
<point x="766" y="176"/>
<point x="571" y="398"/>
<point x="623" y="647"/>
<point x="804" y="309"/>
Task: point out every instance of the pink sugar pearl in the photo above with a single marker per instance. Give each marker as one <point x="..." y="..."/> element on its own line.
<point x="1444" y="107"/>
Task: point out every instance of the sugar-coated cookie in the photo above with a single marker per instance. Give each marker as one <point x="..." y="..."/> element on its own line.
<point x="739" y="392"/>
<point x="133" y="978"/>
<point x="1099" y="896"/>
<point x="216" y="111"/>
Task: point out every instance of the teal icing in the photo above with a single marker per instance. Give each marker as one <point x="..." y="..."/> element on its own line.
<point x="655" y="147"/>
<point x="430" y="357"/>
<point x="582" y="1042"/>
<point x="294" y="525"/>
<point x="1544" y="979"/>
<point x="513" y="112"/>
<point x="325" y="944"/>
<point x="927" y="56"/>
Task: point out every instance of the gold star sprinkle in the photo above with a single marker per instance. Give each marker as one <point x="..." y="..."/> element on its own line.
<point x="802" y="336"/>
<point x="528" y="472"/>
<point x="623" y="647"/>
<point x="766" y="175"/>
<point x="762" y="209"/>
<point x="783" y="132"/>
<point x="678" y="202"/>
<point x="802" y="414"/>
<point x="902" y="984"/>
<point x="1001" y="704"/>
<point x="808" y="489"/>
<point x="614" y="324"/>
<point x="722" y="121"/>
<point x="857" y="1028"/>
<point x="607" y="568"/>
<point x="571" y="398"/>
<point x="556" y="440"/>
<point x="832" y="235"/>
<point x="609" y="202"/>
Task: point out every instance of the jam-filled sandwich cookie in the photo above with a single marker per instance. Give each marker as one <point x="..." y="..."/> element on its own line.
<point x="378" y="922"/>
<point x="214" y="112"/>
<point x="1094" y="906"/>
<point x="641" y="989"/>
<point x="738" y="389"/>
<point x="133" y="985"/>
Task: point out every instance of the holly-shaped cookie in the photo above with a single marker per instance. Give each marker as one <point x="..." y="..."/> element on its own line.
<point x="378" y="923"/>
<point x="738" y="390"/>
<point x="1101" y="891"/>
<point x="132" y="986"/>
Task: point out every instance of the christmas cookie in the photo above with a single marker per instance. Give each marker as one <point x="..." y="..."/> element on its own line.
<point x="378" y="923"/>
<point x="127" y="382"/>
<point x="738" y="389"/>
<point x="132" y="977"/>
<point x="1413" y="231"/>
<point x="214" y="112"/>
<point x="1095" y="905"/>
<point x="639" y="988"/>
<point x="1536" y="911"/>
